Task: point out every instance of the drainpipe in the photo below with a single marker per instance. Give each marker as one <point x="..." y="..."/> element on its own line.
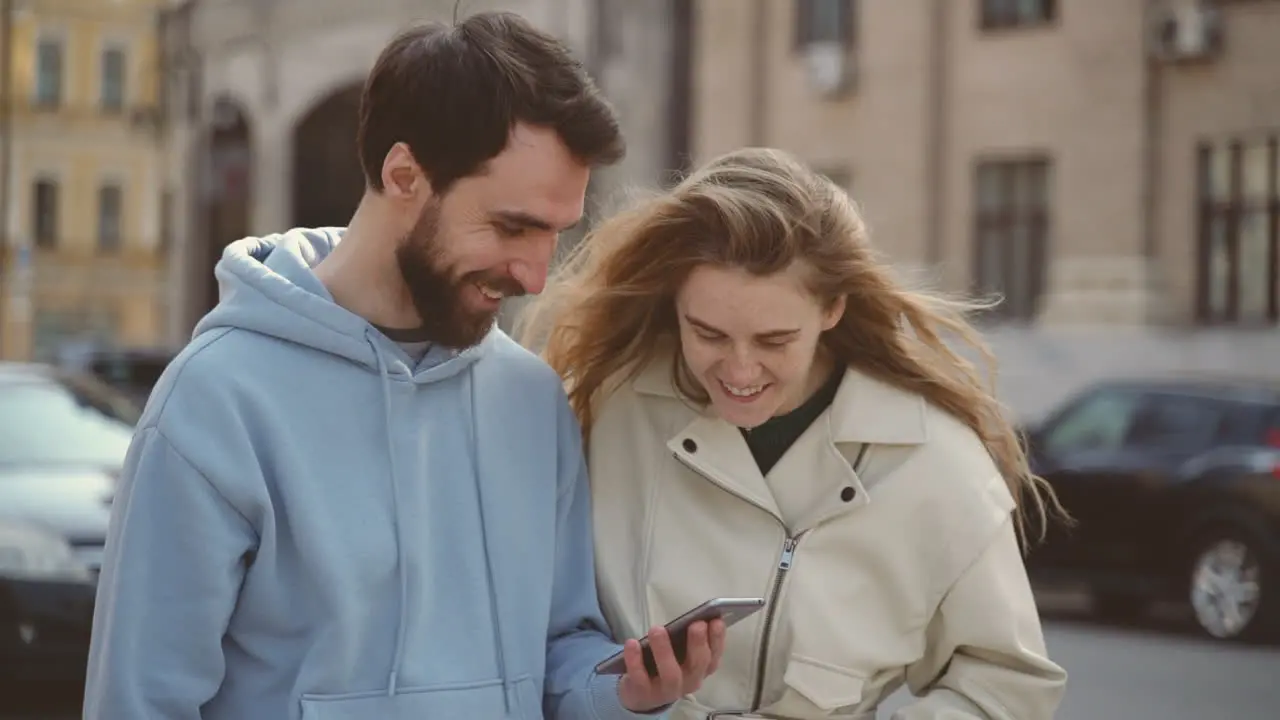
<point x="6" y="160"/>
<point x="1152" y="165"/>
<point x="680" y="77"/>
<point x="758" y="61"/>
<point x="937" y="119"/>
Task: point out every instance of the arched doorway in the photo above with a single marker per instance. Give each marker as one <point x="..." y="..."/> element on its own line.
<point x="327" y="180"/>
<point x="225" y="206"/>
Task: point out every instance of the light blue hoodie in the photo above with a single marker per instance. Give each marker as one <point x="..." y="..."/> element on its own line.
<point x="311" y="526"/>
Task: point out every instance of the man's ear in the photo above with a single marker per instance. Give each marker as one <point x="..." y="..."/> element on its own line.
<point x="402" y="178"/>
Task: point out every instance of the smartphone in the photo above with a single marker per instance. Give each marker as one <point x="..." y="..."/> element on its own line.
<point x="730" y="610"/>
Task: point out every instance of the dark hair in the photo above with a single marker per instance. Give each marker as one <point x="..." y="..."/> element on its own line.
<point x="454" y="94"/>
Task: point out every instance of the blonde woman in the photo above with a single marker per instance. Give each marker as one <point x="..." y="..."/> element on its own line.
<point x="769" y="414"/>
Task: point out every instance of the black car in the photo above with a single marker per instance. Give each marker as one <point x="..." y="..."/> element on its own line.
<point x="131" y="371"/>
<point x="1175" y="489"/>
<point x="63" y="440"/>
<point x="46" y="610"/>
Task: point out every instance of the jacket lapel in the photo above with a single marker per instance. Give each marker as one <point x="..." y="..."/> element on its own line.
<point x="716" y="450"/>
<point x="865" y="412"/>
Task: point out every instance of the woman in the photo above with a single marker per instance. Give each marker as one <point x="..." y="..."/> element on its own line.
<point x="768" y="413"/>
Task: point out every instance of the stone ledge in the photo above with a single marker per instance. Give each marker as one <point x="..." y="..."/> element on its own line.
<point x="1116" y="290"/>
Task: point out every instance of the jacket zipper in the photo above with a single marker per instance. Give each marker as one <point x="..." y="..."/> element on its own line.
<point x="762" y="662"/>
<point x="784" y="565"/>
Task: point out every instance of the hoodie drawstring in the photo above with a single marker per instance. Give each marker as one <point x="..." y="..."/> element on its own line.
<point x="402" y="568"/>
<point x="402" y="627"/>
<point x="507" y="687"/>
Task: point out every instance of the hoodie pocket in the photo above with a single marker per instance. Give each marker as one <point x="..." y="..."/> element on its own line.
<point x="484" y="699"/>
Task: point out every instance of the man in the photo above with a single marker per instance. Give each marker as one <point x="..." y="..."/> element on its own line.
<point x="352" y="497"/>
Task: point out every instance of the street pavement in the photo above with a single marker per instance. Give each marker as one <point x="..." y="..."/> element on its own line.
<point x="1157" y="671"/>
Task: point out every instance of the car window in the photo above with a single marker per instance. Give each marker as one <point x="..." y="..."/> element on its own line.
<point x="61" y="422"/>
<point x="1271" y="428"/>
<point x="129" y="371"/>
<point x="1099" y="421"/>
<point x="1174" y="421"/>
<point x="1244" y="423"/>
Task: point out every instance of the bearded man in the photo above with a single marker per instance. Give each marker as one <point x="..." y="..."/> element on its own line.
<point x="351" y="496"/>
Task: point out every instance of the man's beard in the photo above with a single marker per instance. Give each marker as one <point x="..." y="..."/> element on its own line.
<point x="437" y="292"/>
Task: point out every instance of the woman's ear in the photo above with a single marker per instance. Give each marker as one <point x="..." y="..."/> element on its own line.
<point x="833" y="313"/>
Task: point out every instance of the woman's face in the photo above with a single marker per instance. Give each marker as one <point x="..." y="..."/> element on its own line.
<point x="752" y="341"/>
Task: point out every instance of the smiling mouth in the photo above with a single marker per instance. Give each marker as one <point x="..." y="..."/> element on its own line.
<point x="746" y="392"/>
<point x="490" y="293"/>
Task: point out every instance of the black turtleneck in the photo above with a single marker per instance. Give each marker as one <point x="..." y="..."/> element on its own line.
<point x="770" y="440"/>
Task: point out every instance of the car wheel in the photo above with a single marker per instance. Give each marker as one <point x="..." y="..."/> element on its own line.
<point x="1119" y="607"/>
<point x="1231" y="587"/>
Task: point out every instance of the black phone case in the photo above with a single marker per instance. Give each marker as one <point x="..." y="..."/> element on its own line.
<point x="679" y="647"/>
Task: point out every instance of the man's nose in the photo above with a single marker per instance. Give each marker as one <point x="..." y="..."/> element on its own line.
<point x="533" y="265"/>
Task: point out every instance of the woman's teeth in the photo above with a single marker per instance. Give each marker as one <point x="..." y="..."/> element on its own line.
<point x="742" y="391"/>
<point x="489" y="292"/>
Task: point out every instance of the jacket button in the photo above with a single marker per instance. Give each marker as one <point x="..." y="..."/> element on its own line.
<point x="848" y="494"/>
<point x="689" y="445"/>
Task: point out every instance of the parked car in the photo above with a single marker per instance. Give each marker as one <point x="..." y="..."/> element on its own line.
<point x="1175" y="487"/>
<point x="131" y="371"/>
<point x="63" y="440"/>
<point x="46" y="609"/>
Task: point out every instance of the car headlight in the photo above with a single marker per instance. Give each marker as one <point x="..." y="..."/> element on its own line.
<point x="28" y="552"/>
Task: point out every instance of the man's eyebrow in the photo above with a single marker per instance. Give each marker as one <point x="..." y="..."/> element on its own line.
<point x="520" y="219"/>
<point x="766" y="335"/>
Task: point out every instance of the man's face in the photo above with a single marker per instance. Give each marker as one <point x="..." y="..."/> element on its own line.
<point x="491" y="236"/>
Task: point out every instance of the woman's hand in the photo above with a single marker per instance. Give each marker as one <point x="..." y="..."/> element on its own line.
<point x="640" y="693"/>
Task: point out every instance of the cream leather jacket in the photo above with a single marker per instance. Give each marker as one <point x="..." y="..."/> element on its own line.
<point x="905" y="569"/>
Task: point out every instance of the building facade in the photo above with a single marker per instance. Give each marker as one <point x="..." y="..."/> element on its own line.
<point x="264" y="97"/>
<point x="1109" y="168"/>
<point x="83" y="231"/>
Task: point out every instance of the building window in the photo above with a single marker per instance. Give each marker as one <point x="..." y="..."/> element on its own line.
<point x="825" y="21"/>
<point x="1016" y="13"/>
<point x="49" y="73"/>
<point x="110" y="205"/>
<point x="113" y="79"/>
<point x="1239" y="221"/>
<point x="44" y="213"/>
<point x="56" y="330"/>
<point x="1011" y="226"/>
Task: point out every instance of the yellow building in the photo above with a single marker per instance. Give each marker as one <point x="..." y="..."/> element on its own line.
<point x="84" y="226"/>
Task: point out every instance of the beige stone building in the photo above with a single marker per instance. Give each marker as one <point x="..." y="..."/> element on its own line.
<point x="1109" y="167"/>
<point x="82" y="237"/>
<point x="263" y="97"/>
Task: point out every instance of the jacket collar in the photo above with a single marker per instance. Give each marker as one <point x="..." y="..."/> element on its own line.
<point x="865" y="410"/>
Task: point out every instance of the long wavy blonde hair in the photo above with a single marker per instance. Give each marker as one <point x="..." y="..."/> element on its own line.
<point x="611" y="303"/>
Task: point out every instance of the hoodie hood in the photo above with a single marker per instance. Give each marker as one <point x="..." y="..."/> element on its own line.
<point x="267" y="286"/>
<point x="342" y="533"/>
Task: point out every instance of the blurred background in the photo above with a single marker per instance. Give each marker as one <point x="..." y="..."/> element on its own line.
<point x="1110" y="167"/>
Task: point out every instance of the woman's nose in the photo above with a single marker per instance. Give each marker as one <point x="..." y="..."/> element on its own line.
<point x="741" y="369"/>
